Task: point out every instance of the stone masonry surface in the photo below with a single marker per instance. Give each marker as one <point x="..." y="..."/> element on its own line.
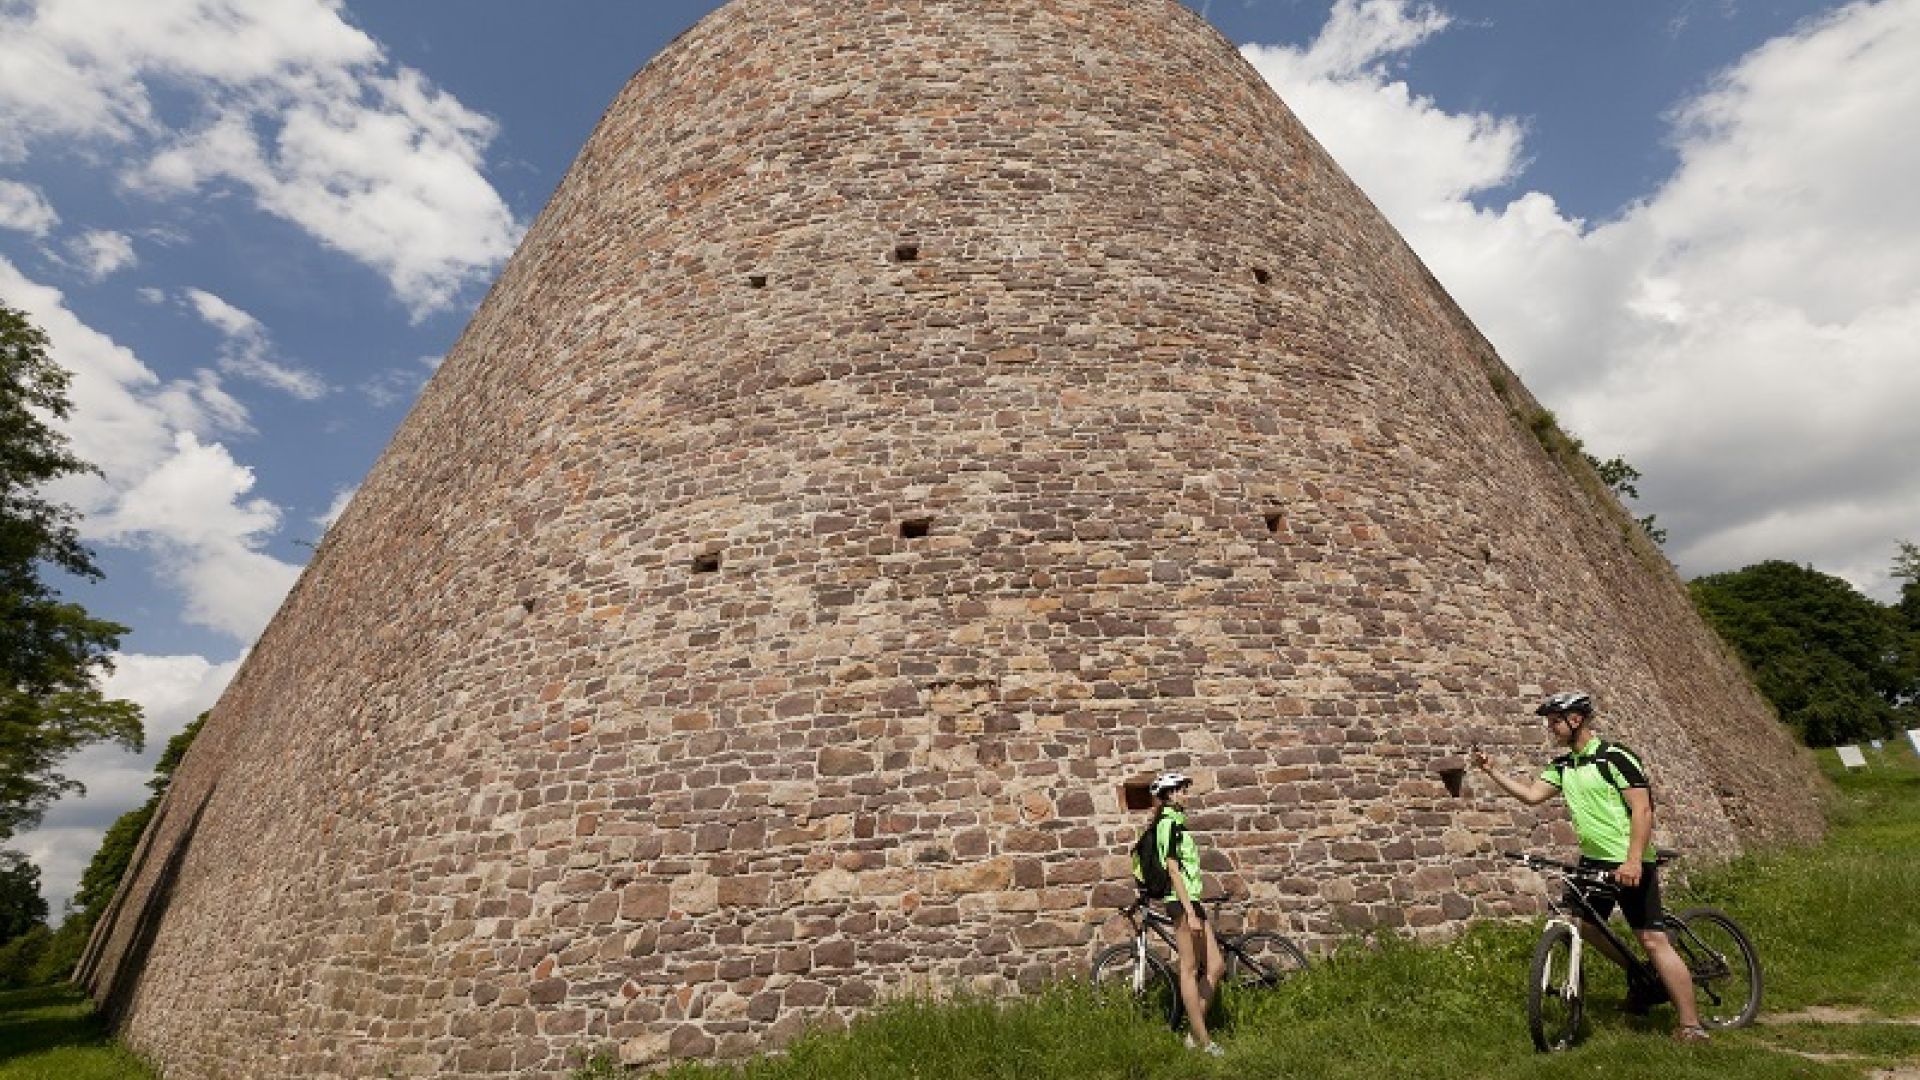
<point x="907" y="421"/>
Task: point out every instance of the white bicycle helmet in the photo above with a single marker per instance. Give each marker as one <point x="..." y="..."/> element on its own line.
<point x="1566" y="701"/>
<point x="1168" y="781"/>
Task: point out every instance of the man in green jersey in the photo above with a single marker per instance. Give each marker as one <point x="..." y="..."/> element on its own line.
<point x="1607" y="796"/>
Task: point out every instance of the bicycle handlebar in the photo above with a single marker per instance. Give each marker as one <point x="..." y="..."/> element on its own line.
<point x="1590" y="874"/>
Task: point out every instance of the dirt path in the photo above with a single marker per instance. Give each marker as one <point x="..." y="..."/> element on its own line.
<point x="1843" y="1014"/>
<point x="1835" y="1014"/>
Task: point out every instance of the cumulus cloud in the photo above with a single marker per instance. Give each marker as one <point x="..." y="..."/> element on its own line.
<point x="1740" y="333"/>
<point x="124" y="416"/>
<point x="247" y="351"/>
<point x="23" y="207"/>
<point x="165" y="486"/>
<point x="331" y="514"/>
<point x="291" y="104"/>
<point x="399" y="384"/>
<point x="100" y="253"/>
<point x="192" y="511"/>
<point x="171" y="691"/>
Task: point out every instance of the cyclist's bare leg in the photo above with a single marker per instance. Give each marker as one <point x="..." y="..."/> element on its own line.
<point x="1190" y="996"/>
<point x="1216" y="967"/>
<point x="1673" y="975"/>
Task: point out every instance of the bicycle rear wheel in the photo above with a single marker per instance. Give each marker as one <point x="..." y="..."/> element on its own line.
<point x="1556" y="998"/>
<point x="1726" y="970"/>
<point x="1262" y="961"/>
<point x="1143" y="978"/>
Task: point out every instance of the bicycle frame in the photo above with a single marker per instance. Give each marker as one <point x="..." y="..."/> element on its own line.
<point x="1142" y="917"/>
<point x="1581" y="911"/>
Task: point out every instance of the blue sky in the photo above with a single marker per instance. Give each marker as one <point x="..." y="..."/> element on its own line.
<point x="253" y="228"/>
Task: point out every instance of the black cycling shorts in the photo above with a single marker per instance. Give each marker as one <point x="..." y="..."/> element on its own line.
<point x="1174" y="910"/>
<point x="1640" y="904"/>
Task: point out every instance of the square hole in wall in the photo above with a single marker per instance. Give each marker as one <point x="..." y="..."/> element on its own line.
<point x="1260" y="275"/>
<point x="1273" y="519"/>
<point x="756" y="281"/>
<point x="708" y="563"/>
<point x="915" y="528"/>
<point x="906" y="252"/>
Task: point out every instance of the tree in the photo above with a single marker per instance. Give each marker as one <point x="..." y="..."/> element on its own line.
<point x="1829" y="659"/>
<point x="51" y="653"/>
<point x="1906" y="570"/>
<point x="1619" y="478"/>
<point x="21" y="906"/>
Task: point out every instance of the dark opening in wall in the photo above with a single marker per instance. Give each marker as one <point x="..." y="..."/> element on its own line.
<point x="915" y="528"/>
<point x="1260" y="275"/>
<point x="1273" y="520"/>
<point x="906" y="252"/>
<point x="707" y="564"/>
<point x="756" y="281"/>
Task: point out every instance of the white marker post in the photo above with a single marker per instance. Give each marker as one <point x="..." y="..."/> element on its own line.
<point x="1851" y="757"/>
<point x="1913" y="736"/>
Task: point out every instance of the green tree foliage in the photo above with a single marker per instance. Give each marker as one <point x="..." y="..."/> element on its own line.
<point x="51" y="653"/>
<point x="1620" y="479"/>
<point x="1829" y="659"/>
<point x="1906" y="570"/>
<point x="21" y="907"/>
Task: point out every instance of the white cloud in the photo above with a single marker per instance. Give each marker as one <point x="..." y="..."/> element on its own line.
<point x="247" y="351"/>
<point x="291" y="103"/>
<point x="190" y="512"/>
<point x="23" y="207"/>
<point x="171" y="691"/>
<point x="164" y="487"/>
<point x="334" y="509"/>
<point x="100" y="253"/>
<point x="1743" y="332"/>
<point x="1413" y="159"/>
<point x="124" y="417"/>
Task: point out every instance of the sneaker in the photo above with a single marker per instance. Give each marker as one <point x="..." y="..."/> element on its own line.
<point x="1213" y="1049"/>
<point x="1690" y="1035"/>
<point x="1190" y="1043"/>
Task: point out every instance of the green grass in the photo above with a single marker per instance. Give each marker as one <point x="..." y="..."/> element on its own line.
<point x="51" y="1033"/>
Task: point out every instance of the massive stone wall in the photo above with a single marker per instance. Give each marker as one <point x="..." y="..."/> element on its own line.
<point x="906" y="422"/>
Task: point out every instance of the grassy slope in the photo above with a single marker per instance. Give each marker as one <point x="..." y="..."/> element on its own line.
<point x="1839" y="925"/>
<point x="50" y="1033"/>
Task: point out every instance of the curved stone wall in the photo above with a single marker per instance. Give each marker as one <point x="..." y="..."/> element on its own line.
<point x="906" y="422"/>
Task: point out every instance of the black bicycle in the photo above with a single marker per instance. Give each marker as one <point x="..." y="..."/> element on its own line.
<point x="1718" y="953"/>
<point x="1254" y="961"/>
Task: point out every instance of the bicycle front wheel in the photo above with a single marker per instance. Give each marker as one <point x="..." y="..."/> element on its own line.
<point x="1143" y="978"/>
<point x="1262" y="961"/>
<point x="1726" y="970"/>
<point x="1556" y="997"/>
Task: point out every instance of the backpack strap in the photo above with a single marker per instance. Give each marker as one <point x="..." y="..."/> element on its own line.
<point x="1617" y="763"/>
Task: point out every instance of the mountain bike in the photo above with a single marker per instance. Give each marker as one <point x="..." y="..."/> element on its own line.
<point x="1716" y="951"/>
<point x="1254" y="961"/>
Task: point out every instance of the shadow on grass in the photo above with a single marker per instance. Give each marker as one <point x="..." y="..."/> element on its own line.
<point x="47" y="1018"/>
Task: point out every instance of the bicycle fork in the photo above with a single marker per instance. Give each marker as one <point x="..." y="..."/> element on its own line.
<point x="1575" y="950"/>
<point x="1139" y="963"/>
